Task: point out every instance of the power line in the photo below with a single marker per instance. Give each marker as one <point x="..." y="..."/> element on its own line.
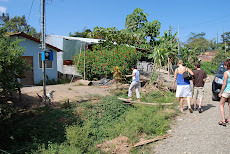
<point x="189" y="26"/>
<point x="30" y="11"/>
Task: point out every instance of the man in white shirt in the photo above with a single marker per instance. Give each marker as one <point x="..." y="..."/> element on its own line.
<point x="135" y="83"/>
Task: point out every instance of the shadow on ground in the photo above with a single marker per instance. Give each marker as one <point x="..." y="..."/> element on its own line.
<point x="204" y="107"/>
<point x="23" y="128"/>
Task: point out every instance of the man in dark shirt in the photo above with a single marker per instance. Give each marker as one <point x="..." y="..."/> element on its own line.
<point x="198" y="85"/>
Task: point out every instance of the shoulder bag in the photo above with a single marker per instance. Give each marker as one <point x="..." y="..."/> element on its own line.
<point x="187" y="75"/>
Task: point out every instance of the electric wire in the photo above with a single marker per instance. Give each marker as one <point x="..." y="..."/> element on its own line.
<point x="202" y="23"/>
<point x="30" y="11"/>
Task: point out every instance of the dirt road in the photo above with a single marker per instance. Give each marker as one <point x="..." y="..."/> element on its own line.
<point x="195" y="132"/>
<point x="71" y="91"/>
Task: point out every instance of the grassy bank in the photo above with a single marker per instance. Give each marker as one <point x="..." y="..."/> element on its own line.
<point x="78" y="127"/>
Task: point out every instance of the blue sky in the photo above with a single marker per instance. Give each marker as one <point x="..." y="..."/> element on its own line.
<point x="65" y="16"/>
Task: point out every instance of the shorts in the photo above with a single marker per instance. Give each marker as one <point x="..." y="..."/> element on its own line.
<point x="198" y="92"/>
<point x="183" y="91"/>
<point x="226" y="94"/>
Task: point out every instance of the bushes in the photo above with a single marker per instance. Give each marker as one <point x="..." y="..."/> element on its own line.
<point x="100" y="63"/>
<point x="208" y="67"/>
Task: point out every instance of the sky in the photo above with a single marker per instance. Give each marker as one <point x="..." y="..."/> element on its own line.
<point x="64" y="16"/>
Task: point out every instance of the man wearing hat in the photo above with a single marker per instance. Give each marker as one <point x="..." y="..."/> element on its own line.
<point x="135" y="83"/>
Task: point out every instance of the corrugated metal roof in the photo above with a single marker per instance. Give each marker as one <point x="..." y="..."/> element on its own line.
<point x="86" y="40"/>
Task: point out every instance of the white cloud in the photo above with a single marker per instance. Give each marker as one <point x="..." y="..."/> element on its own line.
<point x="2" y="9"/>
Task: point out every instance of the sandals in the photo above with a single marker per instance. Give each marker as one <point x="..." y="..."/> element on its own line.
<point x="227" y="121"/>
<point x="223" y="123"/>
<point x="190" y="110"/>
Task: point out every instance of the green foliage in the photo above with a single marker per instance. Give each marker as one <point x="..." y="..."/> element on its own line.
<point x="208" y="67"/>
<point x="189" y="57"/>
<point x="11" y="64"/>
<point x="77" y="129"/>
<point x="112" y="37"/>
<point x="100" y="63"/>
<point x="18" y="24"/>
<point x="166" y="47"/>
<point x="83" y="34"/>
<point x="226" y="38"/>
<point x="199" y="42"/>
<point x="136" y="34"/>
<point x="220" y="56"/>
<point x="23" y="132"/>
<point x="136" y="20"/>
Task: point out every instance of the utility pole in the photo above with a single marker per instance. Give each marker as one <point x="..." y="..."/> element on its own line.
<point x="217" y="40"/>
<point x="179" y="56"/>
<point x="43" y="48"/>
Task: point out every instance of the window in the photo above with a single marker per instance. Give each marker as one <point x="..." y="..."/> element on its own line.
<point x="49" y="64"/>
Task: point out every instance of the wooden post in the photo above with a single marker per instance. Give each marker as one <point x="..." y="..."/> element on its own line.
<point x="168" y="67"/>
<point x="84" y="61"/>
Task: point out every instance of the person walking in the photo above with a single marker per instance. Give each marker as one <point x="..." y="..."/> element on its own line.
<point x="183" y="89"/>
<point x="225" y="94"/>
<point x="198" y="86"/>
<point x="135" y="83"/>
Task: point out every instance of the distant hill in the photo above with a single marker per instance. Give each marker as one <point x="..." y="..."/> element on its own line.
<point x="208" y="56"/>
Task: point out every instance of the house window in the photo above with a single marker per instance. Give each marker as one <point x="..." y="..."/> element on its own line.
<point x="49" y="64"/>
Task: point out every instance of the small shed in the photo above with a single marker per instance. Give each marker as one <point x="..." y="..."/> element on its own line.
<point x="32" y="53"/>
<point x="71" y="46"/>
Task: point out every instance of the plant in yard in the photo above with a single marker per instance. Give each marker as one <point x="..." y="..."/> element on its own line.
<point x="12" y="66"/>
<point x="189" y="57"/>
<point x="165" y="48"/>
<point x="101" y="63"/>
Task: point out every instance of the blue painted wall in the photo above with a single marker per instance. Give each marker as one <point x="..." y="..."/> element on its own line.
<point x="33" y="48"/>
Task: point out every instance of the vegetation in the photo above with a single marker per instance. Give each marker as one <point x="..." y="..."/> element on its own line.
<point x="17" y="24"/>
<point x="12" y="66"/>
<point x="78" y="127"/>
<point x="101" y="62"/>
<point x="208" y="67"/>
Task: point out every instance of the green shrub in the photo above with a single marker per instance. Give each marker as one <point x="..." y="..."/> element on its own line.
<point x="208" y="67"/>
<point x="101" y="63"/>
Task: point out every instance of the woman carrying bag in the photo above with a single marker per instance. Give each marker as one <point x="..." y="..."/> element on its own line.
<point x="183" y="89"/>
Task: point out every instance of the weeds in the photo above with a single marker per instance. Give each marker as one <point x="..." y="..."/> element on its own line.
<point x="77" y="128"/>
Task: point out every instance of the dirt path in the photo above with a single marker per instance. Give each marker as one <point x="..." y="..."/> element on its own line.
<point x="71" y="91"/>
<point x="198" y="133"/>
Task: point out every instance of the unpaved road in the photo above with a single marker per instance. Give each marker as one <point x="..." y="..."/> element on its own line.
<point x="71" y="91"/>
<point x="196" y="133"/>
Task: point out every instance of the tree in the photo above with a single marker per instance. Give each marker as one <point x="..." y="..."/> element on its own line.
<point x="189" y="56"/>
<point x="198" y="42"/>
<point x="166" y="47"/>
<point x="136" y="20"/>
<point x="12" y="66"/>
<point x="226" y="38"/>
<point x="112" y="36"/>
<point x="17" y="24"/>
<point x="83" y="34"/>
<point x="152" y="30"/>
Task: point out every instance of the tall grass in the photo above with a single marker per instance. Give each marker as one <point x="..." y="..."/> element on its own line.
<point x="78" y="127"/>
<point x="110" y="118"/>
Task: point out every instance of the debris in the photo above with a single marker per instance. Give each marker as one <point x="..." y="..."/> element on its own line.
<point x="152" y="140"/>
<point x="132" y="102"/>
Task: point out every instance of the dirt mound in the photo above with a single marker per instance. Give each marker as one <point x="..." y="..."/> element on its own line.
<point x="117" y="145"/>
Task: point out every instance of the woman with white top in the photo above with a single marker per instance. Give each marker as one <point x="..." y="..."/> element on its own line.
<point x="135" y="83"/>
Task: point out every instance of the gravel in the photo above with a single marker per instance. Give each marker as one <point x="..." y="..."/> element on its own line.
<point x="195" y="132"/>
